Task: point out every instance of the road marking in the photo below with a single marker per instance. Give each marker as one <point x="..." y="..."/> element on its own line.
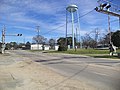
<point x="103" y="66"/>
<point x="102" y="74"/>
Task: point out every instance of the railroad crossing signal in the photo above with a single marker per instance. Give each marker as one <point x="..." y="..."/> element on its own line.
<point x="108" y="8"/>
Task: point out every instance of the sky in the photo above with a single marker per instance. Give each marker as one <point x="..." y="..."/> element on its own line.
<point x="23" y="17"/>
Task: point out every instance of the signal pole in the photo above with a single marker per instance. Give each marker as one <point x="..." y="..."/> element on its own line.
<point x="109" y="29"/>
<point x="3" y="39"/>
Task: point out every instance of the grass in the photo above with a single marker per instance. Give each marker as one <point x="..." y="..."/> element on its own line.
<point x="83" y="51"/>
<point x="106" y="56"/>
<point x="89" y="52"/>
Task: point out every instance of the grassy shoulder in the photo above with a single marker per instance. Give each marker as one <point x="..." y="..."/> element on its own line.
<point x="82" y="51"/>
<point x="89" y="52"/>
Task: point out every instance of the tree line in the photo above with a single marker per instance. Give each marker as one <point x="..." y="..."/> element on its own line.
<point x="87" y="41"/>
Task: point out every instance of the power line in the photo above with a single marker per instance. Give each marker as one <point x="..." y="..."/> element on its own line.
<point x="87" y="13"/>
<point x="68" y="22"/>
<point x="116" y="20"/>
<point x="53" y="29"/>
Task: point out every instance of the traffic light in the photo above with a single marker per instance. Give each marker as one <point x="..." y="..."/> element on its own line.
<point x="103" y="5"/>
<point x="19" y="34"/>
<point x="108" y="6"/>
<point x="96" y="8"/>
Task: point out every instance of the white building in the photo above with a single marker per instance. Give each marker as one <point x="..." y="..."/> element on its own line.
<point x="46" y="47"/>
<point x="36" y="47"/>
<point x="39" y="47"/>
<point x="56" y="47"/>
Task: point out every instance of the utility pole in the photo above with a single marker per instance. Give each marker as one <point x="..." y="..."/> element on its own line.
<point x="3" y="40"/>
<point x="77" y="38"/>
<point x="79" y="29"/>
<point x="66" y="28"/>
<point x="75" y="42"/>
<point x="80" y="41"/>
<point x="38" y="34"/>
<point x="109" y="31"/>
<point x="24" y="40"/>
<point x="119" y="22"/>
<point x="76" y="35"/>
<point x="96" y="35"/>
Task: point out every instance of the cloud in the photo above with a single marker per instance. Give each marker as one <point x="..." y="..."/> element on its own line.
<point x="18" y="10"/>
<point x="24" y="28"/>
<point x="50" y="15"/>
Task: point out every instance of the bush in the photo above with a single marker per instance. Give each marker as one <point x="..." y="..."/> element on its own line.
<point x="62" y="48"/>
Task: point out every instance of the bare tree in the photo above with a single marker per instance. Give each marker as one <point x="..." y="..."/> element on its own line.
<point x="87" y="41"/>
<point x="52" y="43"/>
<point x="39" y="39"/>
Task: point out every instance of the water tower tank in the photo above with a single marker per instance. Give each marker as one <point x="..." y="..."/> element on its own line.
<point x="72" y="8"/>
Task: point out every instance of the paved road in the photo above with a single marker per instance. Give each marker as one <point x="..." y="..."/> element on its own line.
<point x="101" y="73"/>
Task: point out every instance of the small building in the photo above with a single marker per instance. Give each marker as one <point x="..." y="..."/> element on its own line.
<point x="46" y="47"/>
<point x="56" y="47"/>
<point x="36" y="47"/>
<point x="40" y="47"/>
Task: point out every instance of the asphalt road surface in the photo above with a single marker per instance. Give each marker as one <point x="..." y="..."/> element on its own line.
<point x="101" y="73"/>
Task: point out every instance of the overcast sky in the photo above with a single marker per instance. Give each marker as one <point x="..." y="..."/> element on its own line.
<point x="22" y="16"/>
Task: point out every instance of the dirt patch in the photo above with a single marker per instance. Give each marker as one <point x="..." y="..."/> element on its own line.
<point x="29" y="75"/>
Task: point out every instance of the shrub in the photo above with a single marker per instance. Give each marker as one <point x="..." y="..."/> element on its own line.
<point x="62" y="48"/>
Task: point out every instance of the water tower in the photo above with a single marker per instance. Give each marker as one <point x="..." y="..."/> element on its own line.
<point x="72" y="9"/>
